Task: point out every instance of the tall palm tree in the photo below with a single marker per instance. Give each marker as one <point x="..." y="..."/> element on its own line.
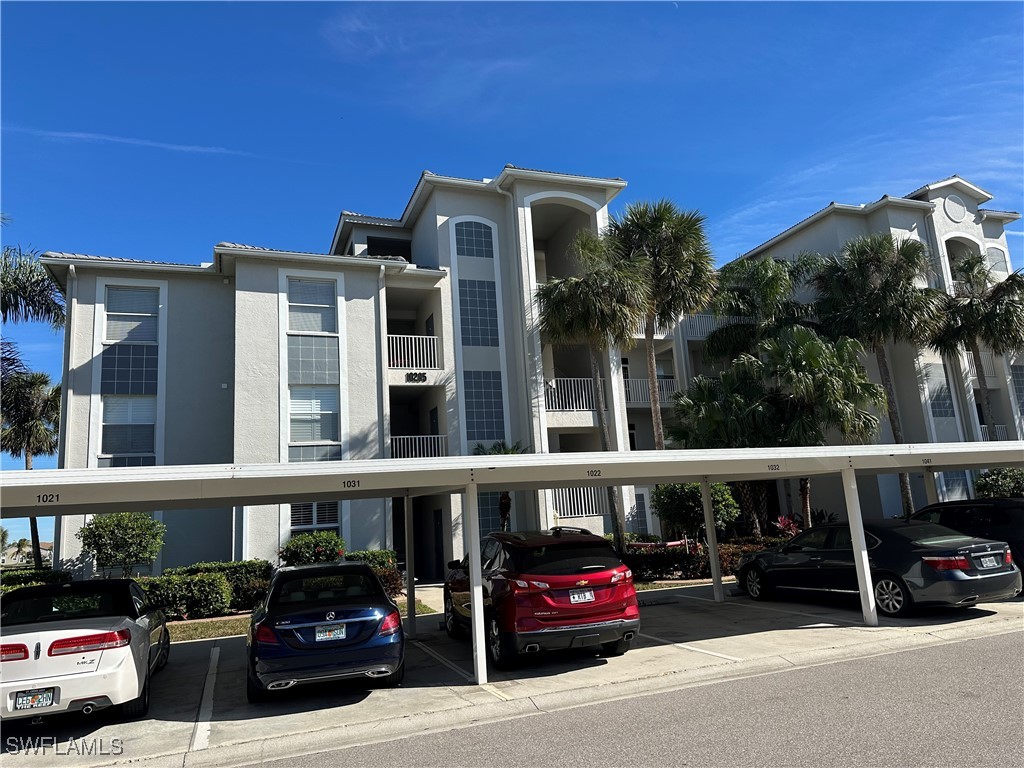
<point x="21" y="546"/>
<point x="868" y="292"/>
<point x="5" y="536"/>
<point x="600" y="307"/>
<point x="31" y="415"/>
<point x="757" y="298"/>
<point x="27" y="291"/>
<point x="679" y="278"/>
<point x="982" y="311"/>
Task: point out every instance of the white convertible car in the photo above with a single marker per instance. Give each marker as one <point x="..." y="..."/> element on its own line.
<point x="79" y="647"/>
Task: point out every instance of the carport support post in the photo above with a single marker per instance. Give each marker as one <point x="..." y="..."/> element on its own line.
<point x="860" y="548"/>
<point x="931" y="487"/>
<point x="410" y="568"/>
<point x="471" y="525"/>
<point x="712" y="535"/>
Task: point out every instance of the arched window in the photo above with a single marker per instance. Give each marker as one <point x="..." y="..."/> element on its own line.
<point x="997" y="260"/>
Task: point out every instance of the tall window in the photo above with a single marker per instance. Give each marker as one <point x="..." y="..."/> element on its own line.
<point x="1017" y="375"/>
<point x="312" y="306"/>
<point x="941" y="401"/>
<point x="313" y="414"/>
<point x="129" y="368"/>
<point x="997" y="260"/>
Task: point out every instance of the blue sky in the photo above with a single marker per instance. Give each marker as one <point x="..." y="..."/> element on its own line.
<point x="156" y="130"/>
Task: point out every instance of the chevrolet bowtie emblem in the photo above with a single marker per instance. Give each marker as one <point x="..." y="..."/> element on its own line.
<point x="582" y="583"/>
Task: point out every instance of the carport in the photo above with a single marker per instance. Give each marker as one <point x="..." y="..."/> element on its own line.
<point x="92" y="491"/>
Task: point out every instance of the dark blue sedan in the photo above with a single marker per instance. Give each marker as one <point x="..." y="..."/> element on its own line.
<point x="320" y="623"/>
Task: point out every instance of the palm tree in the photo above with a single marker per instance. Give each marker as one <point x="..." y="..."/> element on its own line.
<point x="982" y="311"/>
<point x="756" y="299"/>
<point x="21" y="546"/>
<point x="5" y="536"/>
<point x="600" y="307"/>
<point x="679" y="278"/>
<point x="798" y="390"/>
<point x="31" y="415"/>
<point x="501" y="448"/>
<point x="868" y="292"/>
<point x="27" y="293"/>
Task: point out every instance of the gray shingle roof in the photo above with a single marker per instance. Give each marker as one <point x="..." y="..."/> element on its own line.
<point x="244" y="247"/>
<point x="110" y="259"/>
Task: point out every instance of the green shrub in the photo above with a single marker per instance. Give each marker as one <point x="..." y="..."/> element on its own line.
<point x="636" y="538"/>
<point x="26" y="576"/>
<point x="192" y="596"/>
<point x="122" y="540"/>
<point x="1001" y="482"/>
<point x="680" y="506"/>
<point x="384" y="563"/>
<point x="5" y="588"/>
<point x="249" y="579"/>
<point x="676" y="563"/>
<point x="313" y="547"/>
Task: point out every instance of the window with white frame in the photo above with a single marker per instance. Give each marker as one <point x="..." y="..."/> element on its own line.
<point x="132" y="314"/>
<point x="313" y="414"/>
<point x="128" y="436"/>
<point x="1017" y="376"/>
<point x="996" y="260"/>
<point x="312" y="306"/>
<point x="315" y="516"/>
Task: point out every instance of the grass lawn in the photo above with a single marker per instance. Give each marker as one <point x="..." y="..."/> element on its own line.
<point x="238" y="625"/>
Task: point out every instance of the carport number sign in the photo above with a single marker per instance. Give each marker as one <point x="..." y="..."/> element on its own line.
<point x="47" y="498"/>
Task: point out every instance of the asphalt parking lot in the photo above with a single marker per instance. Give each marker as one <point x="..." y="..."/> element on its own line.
<point x="199" y="715"/>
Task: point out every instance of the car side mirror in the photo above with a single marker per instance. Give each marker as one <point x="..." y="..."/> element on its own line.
<point x="454" y="565"/>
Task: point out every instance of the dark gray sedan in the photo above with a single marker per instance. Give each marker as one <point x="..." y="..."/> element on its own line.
<point x="912" y="563"/>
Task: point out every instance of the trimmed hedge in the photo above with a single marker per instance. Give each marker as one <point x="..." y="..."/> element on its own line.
<point x="384" y="563"/>
<point x="248" y="578"/>
<point x="676" y="563"/>
<point x="192" y="596"/>
<point x="5" y="588"/>
<point x="26" y="576"/>
<point x="313" y="547"/>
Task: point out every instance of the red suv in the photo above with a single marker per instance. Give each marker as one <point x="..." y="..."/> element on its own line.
<point x="563" y="588"/>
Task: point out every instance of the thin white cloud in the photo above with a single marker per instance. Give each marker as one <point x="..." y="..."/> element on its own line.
<point x="108" y="139"/>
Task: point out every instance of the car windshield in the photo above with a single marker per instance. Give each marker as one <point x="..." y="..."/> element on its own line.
<point x="931" y="535"/>
<point x="328" y="588"/>
<point x="564" y="559"/>
<point x="31" y="608"/>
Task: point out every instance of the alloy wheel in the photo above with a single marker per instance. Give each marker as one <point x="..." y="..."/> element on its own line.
<point x="449" y="615"/>
<point x="889" y="596"/>
<point x="754" y="583"/>
<point x="494" y="641"/>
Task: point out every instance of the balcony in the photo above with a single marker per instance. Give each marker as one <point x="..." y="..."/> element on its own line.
<point x="987" y="362"/>
<point x="570" y="395"/>
<point x="418" y="446"/>
<point x="638" y="391"/>
<point x="698" y="327"/>
<point x="579" y="502"/>
<point x="1001" y="433"/>
<point x="415" y="352"/>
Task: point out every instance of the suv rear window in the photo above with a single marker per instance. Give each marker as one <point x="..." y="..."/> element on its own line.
<point x="330" y="588"/>
<point x="564" y="558"/>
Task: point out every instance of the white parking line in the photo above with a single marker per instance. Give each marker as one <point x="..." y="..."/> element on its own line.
<point x="690" y="647"/>
<point x="454" y="667"/>
<point x="201" y="731"/>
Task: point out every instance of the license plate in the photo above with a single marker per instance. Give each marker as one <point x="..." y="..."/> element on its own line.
<point x="988" y="562"/>
<point x="42" y="697"/>
<point x="581" y="596"/>
<point x="330" y="632"/>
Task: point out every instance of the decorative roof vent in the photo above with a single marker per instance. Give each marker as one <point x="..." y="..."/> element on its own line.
<point x="955" y="208"/>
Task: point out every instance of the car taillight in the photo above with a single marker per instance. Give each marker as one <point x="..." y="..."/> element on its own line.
<point x="955" y="563"/>
<point x="620" y="575"/>
<point x="1008" y="557"/>
<point x="90" y="643"/>
<point x="391" y="624"/>
<point x="264" y="634"/>
<point x="518" y="585"/>
<point x="13" y="652"/>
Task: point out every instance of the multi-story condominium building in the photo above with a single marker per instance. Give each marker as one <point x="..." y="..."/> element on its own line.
<point x="417" y="337"/>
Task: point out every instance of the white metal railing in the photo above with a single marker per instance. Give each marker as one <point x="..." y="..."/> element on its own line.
<point x="1001" y="433"/>
<point x="986" y="362"/>
<point x="570" y="395"/>
<point x="639" y="391"/>
<point x="699" y="326"/>
<point x="579" y="502"/>
<point x="659" y="329"/>
<point x="418" y="446"/>
<point x="412" y="351"/>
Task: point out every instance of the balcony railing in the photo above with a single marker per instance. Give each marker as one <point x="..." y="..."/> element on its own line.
<point x="638" y="391"/>
<point x="699" y="326"/>
<point x="579" y="502"/>
<point x="986" y="362"/>
<point x="1001" y="433"/>
<point x="418" y="446"/>
<point x="570" y="395"/>
<point x="418" y="352"/>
